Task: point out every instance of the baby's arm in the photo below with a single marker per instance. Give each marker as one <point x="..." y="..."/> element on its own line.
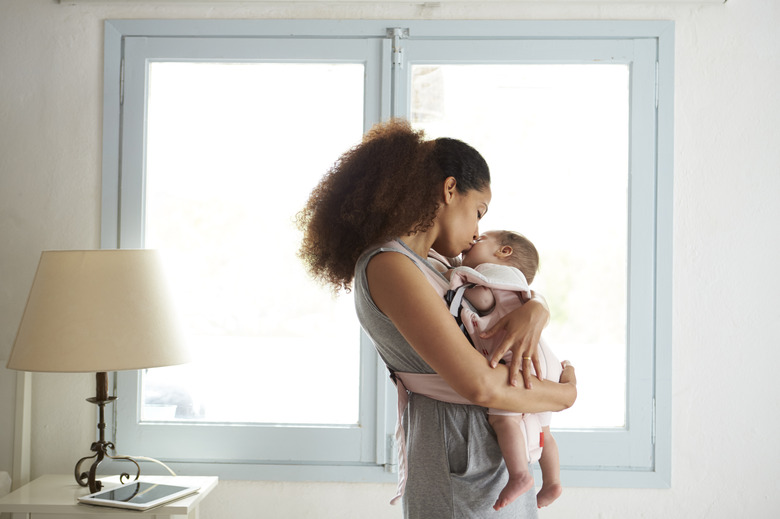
<point x="482" y="298"/>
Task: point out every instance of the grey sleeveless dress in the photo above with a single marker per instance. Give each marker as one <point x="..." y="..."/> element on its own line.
<point x="455" y="468"/>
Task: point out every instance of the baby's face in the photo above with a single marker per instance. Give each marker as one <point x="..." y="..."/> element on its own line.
<point x="484" y="251"/>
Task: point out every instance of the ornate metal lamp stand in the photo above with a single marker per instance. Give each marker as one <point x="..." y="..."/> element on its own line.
<point x="101" y="447"/>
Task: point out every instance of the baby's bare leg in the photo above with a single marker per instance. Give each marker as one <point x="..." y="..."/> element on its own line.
<point x="551" y="471"/>
<point x="511" y="440"/>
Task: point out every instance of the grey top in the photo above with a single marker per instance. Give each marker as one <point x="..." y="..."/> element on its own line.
<point x="455" y="467"/>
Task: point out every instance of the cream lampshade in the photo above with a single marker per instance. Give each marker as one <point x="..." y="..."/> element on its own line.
<point x="98" y="311"/>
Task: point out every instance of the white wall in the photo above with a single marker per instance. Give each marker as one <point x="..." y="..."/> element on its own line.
<point x="726" y="215"/>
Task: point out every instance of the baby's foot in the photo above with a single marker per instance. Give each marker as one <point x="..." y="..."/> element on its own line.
<point x="516" y="487"/>
<point x="548" y="494"/>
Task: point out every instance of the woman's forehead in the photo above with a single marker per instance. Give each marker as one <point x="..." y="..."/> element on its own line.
<point x="482" y="196"/>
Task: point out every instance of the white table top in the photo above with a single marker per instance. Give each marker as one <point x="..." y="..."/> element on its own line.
<point x="58" y="494"/>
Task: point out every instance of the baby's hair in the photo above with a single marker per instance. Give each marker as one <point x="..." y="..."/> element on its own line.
<point x="524" y="256"/>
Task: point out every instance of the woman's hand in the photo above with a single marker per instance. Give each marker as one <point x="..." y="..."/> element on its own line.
<point x="523" y="328"/>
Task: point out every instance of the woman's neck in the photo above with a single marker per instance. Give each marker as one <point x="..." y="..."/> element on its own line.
<point x="420" y="242"/>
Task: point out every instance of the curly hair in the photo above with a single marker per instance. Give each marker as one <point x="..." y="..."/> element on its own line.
<point x="386" y="186"/>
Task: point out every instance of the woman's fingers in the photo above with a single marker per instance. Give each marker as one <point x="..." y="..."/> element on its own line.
<point x="522" y="333"/>
<point x="498" y="354"/>
<point x="527" y="376"/>
<point x="537" y="367"/>
<point x="524" y="358"/>
<point x="503" y="347"/>
<point x="515" y="368"/>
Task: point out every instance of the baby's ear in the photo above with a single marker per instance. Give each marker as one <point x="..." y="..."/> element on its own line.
<point x="504" y="251"/>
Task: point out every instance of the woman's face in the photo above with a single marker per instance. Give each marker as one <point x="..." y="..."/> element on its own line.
<point x="459" y="220"/>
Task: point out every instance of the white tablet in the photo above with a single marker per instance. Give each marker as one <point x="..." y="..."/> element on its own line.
<point x="140" y="495"/>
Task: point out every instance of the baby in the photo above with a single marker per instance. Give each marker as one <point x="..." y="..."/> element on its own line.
<point x="514" y="251"/>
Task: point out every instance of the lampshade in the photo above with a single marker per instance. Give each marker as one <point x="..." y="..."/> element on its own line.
<point x="98" y="310"/>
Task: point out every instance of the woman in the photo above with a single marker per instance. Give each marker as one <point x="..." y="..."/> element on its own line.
<point x="373" y="218"/>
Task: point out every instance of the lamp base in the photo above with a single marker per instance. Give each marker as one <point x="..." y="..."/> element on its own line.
<point x="89" y="479"/>
<point x="101" y="447"/>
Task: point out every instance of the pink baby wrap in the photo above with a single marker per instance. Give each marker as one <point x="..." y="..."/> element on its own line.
<point x="510" y="290"/>
<point x="506" y="286"/>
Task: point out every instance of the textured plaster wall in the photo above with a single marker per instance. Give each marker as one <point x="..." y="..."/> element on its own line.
<point x="726" y="238"/>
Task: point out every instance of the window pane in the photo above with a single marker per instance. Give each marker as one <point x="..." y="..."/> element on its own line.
<point x="232" y="152"/>
<point x="556" y="140"/>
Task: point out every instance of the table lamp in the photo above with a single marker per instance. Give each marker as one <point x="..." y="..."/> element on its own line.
<point x="98" y="311"/>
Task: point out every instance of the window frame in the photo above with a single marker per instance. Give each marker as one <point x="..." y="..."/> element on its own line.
<point x="654" y="210"/>
<point x="356" y="449"/>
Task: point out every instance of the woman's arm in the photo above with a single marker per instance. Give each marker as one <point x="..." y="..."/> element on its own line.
<point x="402" y="293"/>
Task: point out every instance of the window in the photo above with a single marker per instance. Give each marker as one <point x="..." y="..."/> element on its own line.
<point x="214" y="134"/>
<point x="572" y="205"/>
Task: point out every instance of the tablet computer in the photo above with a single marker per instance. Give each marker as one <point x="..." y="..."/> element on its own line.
<point x="140" y="495"/>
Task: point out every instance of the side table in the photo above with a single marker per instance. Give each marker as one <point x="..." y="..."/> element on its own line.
<point x="58" y="495"/>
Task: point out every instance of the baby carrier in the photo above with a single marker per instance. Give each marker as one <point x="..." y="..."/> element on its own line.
<point x="510" y="291"/>
<point x="506" y="291"/>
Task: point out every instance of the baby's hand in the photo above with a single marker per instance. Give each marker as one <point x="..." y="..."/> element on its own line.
<point x="567" y="375"/>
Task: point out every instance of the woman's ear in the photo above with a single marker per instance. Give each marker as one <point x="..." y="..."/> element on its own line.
<point x="449" y="189"/>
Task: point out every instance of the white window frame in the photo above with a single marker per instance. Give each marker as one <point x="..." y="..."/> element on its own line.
<point x="638" y="455"/>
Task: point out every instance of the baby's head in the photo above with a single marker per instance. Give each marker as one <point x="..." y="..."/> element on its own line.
<point x="504" y="248"/>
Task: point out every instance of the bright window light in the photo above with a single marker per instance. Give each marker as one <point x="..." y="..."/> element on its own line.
<point x="556" y="140"/>
<point x="233" y="150"/>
